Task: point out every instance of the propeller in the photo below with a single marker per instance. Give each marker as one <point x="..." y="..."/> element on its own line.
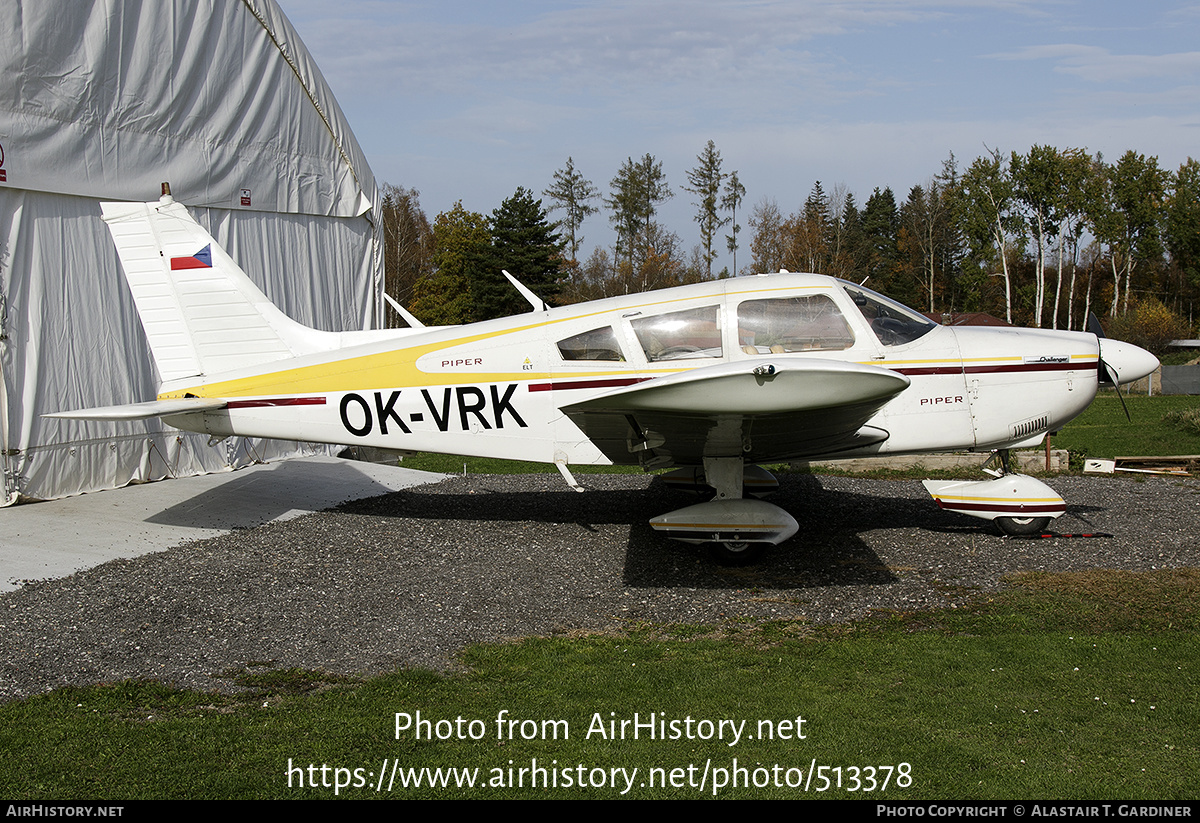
<point x="1107" y="373"/>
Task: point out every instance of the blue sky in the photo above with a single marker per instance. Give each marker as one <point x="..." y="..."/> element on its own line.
<point x="466" y="99"/>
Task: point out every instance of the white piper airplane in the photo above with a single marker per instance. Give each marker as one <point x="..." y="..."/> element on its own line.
<point x="712" y="378"/>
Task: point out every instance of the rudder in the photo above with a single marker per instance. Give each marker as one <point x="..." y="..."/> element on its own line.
<point x="202" y="314"/>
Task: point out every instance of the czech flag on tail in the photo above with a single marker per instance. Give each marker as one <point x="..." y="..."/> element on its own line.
<point x="200" y="260"/>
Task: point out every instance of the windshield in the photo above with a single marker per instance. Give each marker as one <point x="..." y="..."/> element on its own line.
<point x="893" y="323"/>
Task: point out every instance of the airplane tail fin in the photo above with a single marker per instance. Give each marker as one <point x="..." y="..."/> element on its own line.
<point x="202" y="313"/>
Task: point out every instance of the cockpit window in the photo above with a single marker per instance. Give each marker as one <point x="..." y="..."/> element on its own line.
<point x="893" y="323"/>
<point x="680" y="335"/>
<point x="791" y="324"/>
<point x="597" y="344"/>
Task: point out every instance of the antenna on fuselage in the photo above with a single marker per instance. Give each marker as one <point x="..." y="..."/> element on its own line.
<point x="404" y="313"/>
<point x="535" y="301"/>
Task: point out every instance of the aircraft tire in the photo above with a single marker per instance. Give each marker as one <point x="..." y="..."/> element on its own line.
<point x="1022" y="525"/>
<point x="736" y="553"/>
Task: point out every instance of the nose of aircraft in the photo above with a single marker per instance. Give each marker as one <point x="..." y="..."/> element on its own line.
<point x="1128" y="361"/>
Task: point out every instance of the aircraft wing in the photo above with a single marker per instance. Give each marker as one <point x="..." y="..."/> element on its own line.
<point x="763" y="409"/>
<point x="144" y="411"/>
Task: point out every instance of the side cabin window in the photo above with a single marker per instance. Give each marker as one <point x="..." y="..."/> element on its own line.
<point x="680" y="335"/>
<point x="597" y="344"/>
<point x="893" y="323"/>
<point x="779" y="325"/>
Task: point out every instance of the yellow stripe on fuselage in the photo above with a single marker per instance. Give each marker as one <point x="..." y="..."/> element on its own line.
<point x="397" y="367"/>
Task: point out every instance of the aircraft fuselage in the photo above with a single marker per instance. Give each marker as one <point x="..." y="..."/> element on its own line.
<point x="499" y="388"/>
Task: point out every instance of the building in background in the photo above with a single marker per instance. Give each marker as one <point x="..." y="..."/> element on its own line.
<point x="104" y="101"/>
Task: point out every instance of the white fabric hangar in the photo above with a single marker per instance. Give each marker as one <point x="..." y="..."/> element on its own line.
<point x="104" y="100"/>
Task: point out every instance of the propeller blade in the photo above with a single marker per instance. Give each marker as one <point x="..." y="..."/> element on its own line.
<point x="1105" y="372"/>
<point x="1124" y="408"/>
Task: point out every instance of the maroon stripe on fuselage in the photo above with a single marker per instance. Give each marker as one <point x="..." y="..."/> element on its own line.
<point x="560" y="385"/>
<point x="276" y="401"/>
<point x="930" y="370"/>
<point x="1000" y="369"/>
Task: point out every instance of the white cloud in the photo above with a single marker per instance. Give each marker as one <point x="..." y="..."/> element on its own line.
<point x="467" y="99"/>
<point x="1099" y="65"/>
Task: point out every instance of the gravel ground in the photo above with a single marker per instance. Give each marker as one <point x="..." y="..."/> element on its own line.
<point x="410" y="578"/>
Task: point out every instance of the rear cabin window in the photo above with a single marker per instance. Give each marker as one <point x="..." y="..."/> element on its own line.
<point x="792" y="324"/>
<point x="680" y="335"/>
<point x="597" y="344"/>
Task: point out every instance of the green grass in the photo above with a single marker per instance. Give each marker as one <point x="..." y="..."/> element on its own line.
<point x="1104" y="431"/>
<point x="1064" y="686"/>
<point x="1185" y="420"/>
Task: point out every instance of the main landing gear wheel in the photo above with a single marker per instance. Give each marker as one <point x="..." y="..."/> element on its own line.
<point x="1022" y="525"/>
<point x="736" y="552"/>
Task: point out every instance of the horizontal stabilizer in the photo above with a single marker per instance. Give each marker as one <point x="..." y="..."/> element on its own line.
<point x="144" y="411"/>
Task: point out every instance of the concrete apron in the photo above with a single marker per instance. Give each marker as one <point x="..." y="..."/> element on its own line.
<point x="57" y="538"/>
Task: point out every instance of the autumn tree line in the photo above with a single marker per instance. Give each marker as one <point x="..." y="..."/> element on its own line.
<point x="1039" y="239"/>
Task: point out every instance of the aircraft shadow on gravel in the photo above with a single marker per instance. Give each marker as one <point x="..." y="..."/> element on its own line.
<point x="832" y="548"/>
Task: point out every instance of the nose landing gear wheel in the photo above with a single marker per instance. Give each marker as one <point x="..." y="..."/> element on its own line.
<point x="736" y="552"/>
<point x="1022" y="525"/>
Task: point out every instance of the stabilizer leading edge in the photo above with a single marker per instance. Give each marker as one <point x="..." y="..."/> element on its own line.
<point x="144" y="411"/>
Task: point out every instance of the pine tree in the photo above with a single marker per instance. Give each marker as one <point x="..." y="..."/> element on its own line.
<point x="637" y="190"/>
<point x="574" y="194"/>
<point x="734" y="194"/>
<point x="524" y="243"/>
<point x="881" y="228"/>
<point x="849" y="249"/>
<point x="704" y="181"/>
